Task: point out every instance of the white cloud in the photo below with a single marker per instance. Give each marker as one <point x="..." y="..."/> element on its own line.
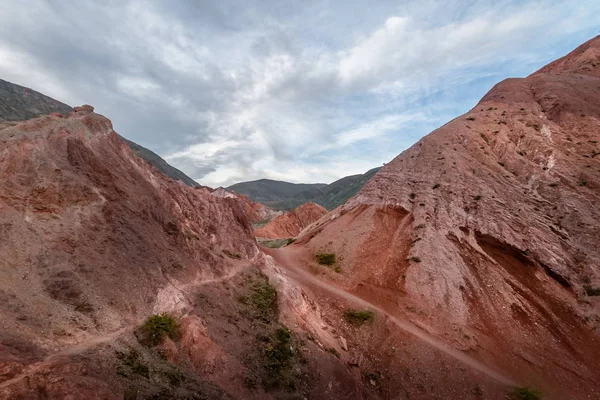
<point x="237" y="90"/>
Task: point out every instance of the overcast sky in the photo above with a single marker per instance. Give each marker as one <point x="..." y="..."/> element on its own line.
<point x="303" y="91"/>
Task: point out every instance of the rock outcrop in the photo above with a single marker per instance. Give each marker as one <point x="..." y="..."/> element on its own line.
<point x="93" y="241"/>
<point x="256" y="212"/>
<point x="486" y="231"/>
<point x="18" y="103"/>
<point x="290" y="224"/>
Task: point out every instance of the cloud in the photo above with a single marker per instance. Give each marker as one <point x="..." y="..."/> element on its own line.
<point x="308" y="91"/>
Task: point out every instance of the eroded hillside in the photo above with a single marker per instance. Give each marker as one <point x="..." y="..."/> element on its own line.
<point x="485" y="233"/>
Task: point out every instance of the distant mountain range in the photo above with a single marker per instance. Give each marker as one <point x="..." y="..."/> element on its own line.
<point x="18" y="103"/>
<point x="281" y="195"/>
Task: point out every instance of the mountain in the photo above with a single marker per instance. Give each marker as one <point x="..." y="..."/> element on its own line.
<point x="285" y="196"/>
<point x="118" y="282"/>
<point x="485" y="233"/>
<point x="278" y="195"/>
<point x="290" y="224"/>
<point x="18" y="103"/>
<point x="466" y="268"/>
<point x="337" y="193"/>
<point x="160" y="164"/>
<point x="257" y="213"/>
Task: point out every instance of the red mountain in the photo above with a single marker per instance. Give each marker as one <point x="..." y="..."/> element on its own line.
<point x="485" y="233"/>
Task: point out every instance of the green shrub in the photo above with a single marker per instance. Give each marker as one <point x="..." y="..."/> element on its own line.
<point x="337" y="269"/>
<point x="326" y="258"/>
<point x="132" y="360"/>
<point x="278" y="355"/>
<point x="358" y="318"/>
<point x="157" y="327"/>
<point x="290" y="241"/>
<point x="264" y="299"/>
<point x="525" y="393"/>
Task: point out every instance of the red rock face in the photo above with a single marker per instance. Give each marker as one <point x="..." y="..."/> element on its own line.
<point x="255" y="212"/>
<point x="290" y="224"/>
<point x="486" y="231"/>
<point x="93" y="240"/>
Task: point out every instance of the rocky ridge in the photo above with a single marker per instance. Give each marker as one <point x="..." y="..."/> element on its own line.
<point x="485" y="232"/>
<point x="290" y="224"/>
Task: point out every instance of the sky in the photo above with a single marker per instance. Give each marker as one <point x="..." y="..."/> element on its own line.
<point x="302" y="91"/>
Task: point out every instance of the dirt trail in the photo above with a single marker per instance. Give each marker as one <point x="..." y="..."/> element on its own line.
<point x="285" y="259"/>
<point x="79" y="348"/>
<point x="65" y="353"/>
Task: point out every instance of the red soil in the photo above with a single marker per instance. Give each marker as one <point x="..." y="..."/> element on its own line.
<point x="290" y="224"/>
<point x="486" y="230"/>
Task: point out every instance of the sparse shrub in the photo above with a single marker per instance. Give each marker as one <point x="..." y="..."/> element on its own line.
<point x="231" y="254"/>
<point x="278" y="359"/>
<point x="583" y="183"/>
<point x="591" y="291"/>
<point x="415" y="259"/>
<point x="477" y="198"/>
<point x="470" y="118"/>
<point x="264" y="299"/>
<point x="525" y="393"/>
<point x="84" y="307"/>
<point x="358" y="318"/>
<point x="412" y="195"/>
<point x="337" y="269"/>
<point x="437" y="185"/>
<point x="174" y="376"/>
<point x="157" y="327"/>
<point x="132" y="360"/>
<point x="372" y="376"/>
<point x="334" y="352"/>
<point x="422" y="204"/>
<point x="553" y="184"/>
<point x="326" y="258"/>
<point x="177" y="265"/>
<point x="131" y="393"/>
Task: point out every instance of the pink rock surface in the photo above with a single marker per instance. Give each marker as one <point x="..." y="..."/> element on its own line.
<point x="290" y="224"/>
<point x="487" y="232"/>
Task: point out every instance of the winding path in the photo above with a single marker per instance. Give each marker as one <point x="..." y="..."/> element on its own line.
<point x="286" y="261"/>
